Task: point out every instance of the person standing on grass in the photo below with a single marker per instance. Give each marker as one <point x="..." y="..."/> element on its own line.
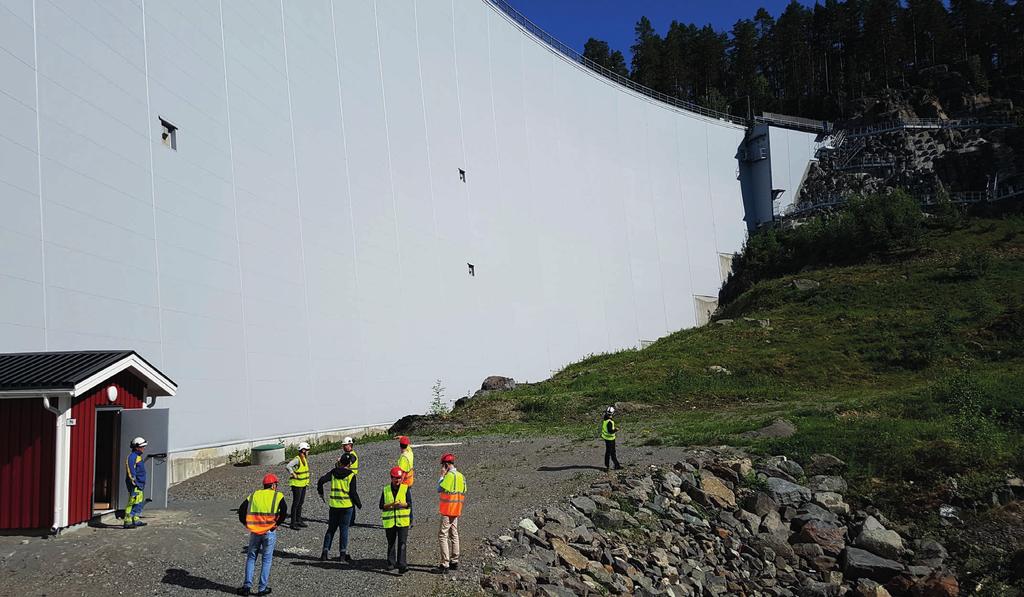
<point x="396" y="518"/>
<point x="608" y="431"/>
<point x="343" y="500"/>
<point x="452" y="489"/>
<point x="262" y="512"/>
<point x="298" y="473"/>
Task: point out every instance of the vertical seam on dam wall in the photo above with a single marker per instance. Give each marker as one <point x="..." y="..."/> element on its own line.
<point x="39" y="181"/>
<point x="430" y="164"/>
<point x="298" y="203"/>
<point x="152" y="185"/>
<point x="344" y="146"/>
<point x="238" y="235"/>
<point x="387" y="144"/>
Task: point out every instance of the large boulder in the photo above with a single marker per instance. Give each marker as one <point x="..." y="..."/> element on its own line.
<point x="498" y="383"/>
<point x="833" y="502"/>
<point x="859" y="563"/>
<point x="829" y="536"/>
<point x="779" y="428"/>
<point x="768" y="542"/>
<point x="930" y="552"/>
<point x="528" y="525"/>
<point x="938" y="585"/>
<point x="584" y="504"/>
<point x="405" y="425"/>
<point x="809" y="512"/>
<point x="824" y="464"/>
<point x="717" y="492"/>
<point x="869" y="588"/>
<point x="609" y="519"/>
<point x="883" y="542"/>
<point x="760" y="503"/>
<point x="827" y="483"/>
<point x="785" y="493"/>
<point x="569" y="554"/>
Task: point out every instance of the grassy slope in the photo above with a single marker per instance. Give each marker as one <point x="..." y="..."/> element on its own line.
<point x="906" y="369"/>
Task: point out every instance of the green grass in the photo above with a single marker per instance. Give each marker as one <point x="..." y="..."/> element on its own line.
<point x="906" y="364"/>
<point x="319" y="447"/>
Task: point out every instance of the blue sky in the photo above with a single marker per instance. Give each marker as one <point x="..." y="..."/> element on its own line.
<point x="573" y="21"/>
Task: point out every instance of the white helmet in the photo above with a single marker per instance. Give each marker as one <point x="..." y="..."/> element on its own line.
<point x="140" y="441"/>
<point x="610" y="410"/>
<point x="347" y="441"/>
<point x="303" y="446"/>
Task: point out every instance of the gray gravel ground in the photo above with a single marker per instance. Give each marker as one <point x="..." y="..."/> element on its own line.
<point x="197" y="545"/>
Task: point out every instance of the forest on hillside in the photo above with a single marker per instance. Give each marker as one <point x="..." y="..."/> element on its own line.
<point x="817" y="62"/>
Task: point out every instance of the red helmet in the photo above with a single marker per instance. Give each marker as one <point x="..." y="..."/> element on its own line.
<point x="269" y="479"/>
<point x="448" y="459"/>
<point x="396" y="473"/>
<point x="403" y="440"/>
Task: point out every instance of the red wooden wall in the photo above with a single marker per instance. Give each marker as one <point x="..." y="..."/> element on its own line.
<point x="83" y="410"/>
<point x="27" y="434"/>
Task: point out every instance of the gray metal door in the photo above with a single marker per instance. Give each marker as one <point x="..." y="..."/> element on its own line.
<point x="150" y="423"/>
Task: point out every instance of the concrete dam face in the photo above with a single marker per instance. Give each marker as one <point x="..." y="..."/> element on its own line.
<point x="307" y="212"/>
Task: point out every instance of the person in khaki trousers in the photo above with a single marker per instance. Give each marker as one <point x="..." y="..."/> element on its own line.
<point x="452" y="489"/>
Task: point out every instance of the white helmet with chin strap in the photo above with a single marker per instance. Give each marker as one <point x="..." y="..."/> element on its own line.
<point x="303" y="446"/>
<point x="139" y="442"/>
<point x="610" y="410"/>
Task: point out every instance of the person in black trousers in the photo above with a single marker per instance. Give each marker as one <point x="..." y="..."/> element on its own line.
<point x="396" y="518"/>
<point x="608" y="431"/>
<point x="298" y="479"/>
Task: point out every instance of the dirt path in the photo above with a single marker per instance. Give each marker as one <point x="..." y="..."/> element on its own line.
<point x="197" y="545"/>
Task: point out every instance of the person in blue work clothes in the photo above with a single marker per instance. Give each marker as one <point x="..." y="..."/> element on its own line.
<point x="135" y="479"/>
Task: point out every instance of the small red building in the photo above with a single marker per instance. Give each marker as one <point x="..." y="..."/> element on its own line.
<point x="65" y="422"/>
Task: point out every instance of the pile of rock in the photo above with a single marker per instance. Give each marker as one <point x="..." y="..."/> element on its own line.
<point x="717" y="524"/>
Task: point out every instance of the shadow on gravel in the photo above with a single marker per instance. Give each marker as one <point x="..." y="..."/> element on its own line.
<point x="377" y="566"/>
<point x="185" y="579"/>
<point x="570" y="467"/>
<point x="103" y="525"/>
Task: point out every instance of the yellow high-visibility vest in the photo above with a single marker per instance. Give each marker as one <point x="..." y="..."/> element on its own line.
<point x="453" y="494"/>
<point x="607" y="430"/>
<point x="300" y="476"/>
<point x="262" y="514"/>
<point x="405" y="462"/>
<point x="400" y="517"/>
<point x="340" y="492"/>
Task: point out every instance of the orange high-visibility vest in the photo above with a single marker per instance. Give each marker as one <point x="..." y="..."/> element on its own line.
<point x="453" y="494"/>
<point x="262" y="514"/>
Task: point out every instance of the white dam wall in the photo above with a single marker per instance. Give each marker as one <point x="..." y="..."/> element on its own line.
<point x="300" y="261"/>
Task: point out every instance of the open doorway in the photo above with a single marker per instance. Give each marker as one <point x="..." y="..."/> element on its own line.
<point x="108" y="433"/>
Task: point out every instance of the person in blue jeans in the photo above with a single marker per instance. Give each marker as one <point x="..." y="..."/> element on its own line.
<point x="261" y="513"/>
<point x="343" y="501"/>
<point x="135" y="480"/>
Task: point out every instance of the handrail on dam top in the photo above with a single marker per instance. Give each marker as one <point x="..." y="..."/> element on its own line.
<point x="575" y="56"/>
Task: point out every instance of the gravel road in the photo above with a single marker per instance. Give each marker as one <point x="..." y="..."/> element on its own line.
<point x="197" y="546"/>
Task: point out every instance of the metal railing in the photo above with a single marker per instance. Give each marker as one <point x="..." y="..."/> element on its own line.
<point x="553" y="43"/>
<point x="827" y="202"/>
<point x="901" y="124"/>
<point x="797" y="122"/>
<point x="866" y="163"/>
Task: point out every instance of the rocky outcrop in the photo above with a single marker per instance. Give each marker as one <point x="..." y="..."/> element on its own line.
<point x="700" y="528"/>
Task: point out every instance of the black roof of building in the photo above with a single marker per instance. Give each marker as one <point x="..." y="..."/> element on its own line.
<point x="55" y="370"/>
